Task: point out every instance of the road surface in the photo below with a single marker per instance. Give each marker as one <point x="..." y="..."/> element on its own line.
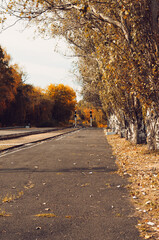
<point x="65" y="188"/>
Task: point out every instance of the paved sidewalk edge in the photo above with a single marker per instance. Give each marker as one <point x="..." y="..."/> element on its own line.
<point x="40" y="140"/>
<point x="18" y="135"/>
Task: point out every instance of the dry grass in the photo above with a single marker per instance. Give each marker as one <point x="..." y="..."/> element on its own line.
<point x="142" y="167"/>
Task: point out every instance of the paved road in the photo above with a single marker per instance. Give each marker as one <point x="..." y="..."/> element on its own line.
<point x="70" y="179"/>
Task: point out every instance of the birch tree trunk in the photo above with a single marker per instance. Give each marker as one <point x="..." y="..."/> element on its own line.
<point x="152" y="124"/>
<point x="133" y="129"/>
<point x="135" y="126"/>
<point x="136" y="132"/>
<point x="114" y="123"/>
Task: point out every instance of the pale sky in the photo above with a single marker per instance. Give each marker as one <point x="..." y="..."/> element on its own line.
<point x="38" y="58"/>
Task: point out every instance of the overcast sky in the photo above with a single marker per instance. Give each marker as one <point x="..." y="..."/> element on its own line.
<point x="38" y="58"/>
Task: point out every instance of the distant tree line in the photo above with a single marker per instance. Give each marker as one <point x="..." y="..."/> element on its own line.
<point x="22" y="104"/>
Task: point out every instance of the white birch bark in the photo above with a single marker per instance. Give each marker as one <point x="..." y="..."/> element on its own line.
<point x="152" y="125"/>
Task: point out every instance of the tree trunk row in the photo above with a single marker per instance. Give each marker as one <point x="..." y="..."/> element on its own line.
<point x="138" y="130"/>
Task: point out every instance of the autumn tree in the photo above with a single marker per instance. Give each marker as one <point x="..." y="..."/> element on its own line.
<point x="42" y="110"/>
<point x="10" y="77"/>
<point x="109" y="86"/>
<point x="64" y="101"/>
<point x="23" y="104"/>
<point x="125" y="66"/>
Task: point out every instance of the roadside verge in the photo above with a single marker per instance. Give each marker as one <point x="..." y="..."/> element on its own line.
<point x="142" y="169"/>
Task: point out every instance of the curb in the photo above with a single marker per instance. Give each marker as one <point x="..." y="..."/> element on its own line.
<point x="37" y="141"/>
<point x="17" y="135"/>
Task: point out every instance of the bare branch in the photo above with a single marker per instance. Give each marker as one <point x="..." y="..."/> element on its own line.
<point x="4" y="29"/>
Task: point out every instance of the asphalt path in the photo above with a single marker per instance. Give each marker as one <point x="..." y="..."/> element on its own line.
<point x="65" y="188"/>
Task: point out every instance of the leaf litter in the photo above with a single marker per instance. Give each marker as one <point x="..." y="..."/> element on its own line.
<point x="142" y="168"/>
<point x="48" y="215"/>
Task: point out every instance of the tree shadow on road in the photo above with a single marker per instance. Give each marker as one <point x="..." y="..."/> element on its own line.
<point x="66" y="170"/>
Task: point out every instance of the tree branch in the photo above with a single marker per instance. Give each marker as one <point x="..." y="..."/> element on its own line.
<point x="116" y="23"/>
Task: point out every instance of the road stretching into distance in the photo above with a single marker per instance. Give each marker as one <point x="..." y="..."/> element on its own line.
<point x="65" y="188"/>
